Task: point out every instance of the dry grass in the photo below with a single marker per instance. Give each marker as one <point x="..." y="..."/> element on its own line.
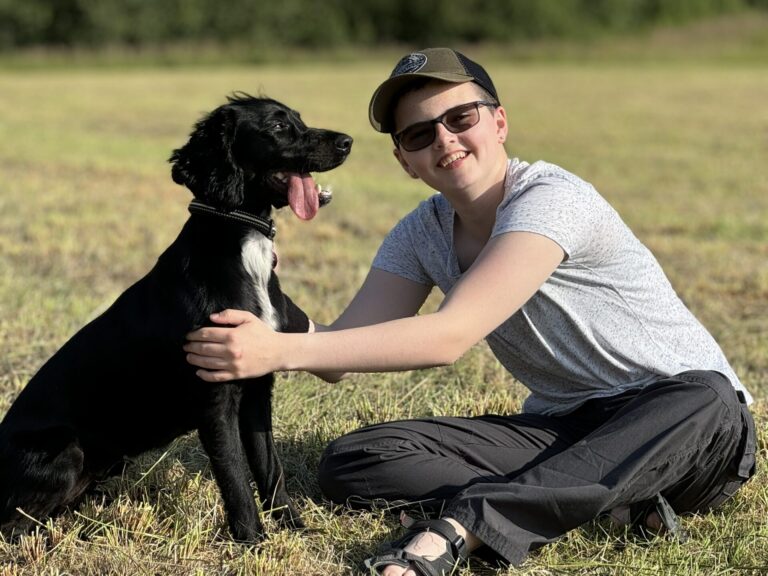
<point x="86" y="205"/>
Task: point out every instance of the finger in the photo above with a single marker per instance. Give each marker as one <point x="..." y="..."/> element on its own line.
<point x="215" y="375"/>
<point x="209" y="334"/>
<point x="207" y="362"/>
<point x="232" y="317"/>
<point x="207" y="349"/>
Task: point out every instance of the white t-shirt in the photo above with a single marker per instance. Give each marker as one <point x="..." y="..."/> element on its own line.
<point x="607" y="320"/>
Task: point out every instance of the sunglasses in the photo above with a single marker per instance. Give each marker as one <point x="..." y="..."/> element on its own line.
<point x="456" y="120"/>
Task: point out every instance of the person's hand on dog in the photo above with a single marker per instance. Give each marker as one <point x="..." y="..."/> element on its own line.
<point x="219" y="352"/>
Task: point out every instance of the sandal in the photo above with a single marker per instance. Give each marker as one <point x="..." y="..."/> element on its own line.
<point x="669" y="520"/>
<point x="442" y="565"/>
<point x="636" y="515"/>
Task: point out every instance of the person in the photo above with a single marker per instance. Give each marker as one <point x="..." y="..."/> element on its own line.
<point x="633" y="409"/>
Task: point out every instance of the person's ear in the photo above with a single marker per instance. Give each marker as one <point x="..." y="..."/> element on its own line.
<point x="404" y="164"/>
<point x="502" y="127"/>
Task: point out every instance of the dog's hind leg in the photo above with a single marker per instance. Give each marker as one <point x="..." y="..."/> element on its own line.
<point x="41" y="474"/>
<point x="220" y="437"/>
<point x="256" y="433"/>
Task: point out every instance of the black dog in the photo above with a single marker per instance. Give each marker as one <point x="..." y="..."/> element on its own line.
<point x="121" y="385"/>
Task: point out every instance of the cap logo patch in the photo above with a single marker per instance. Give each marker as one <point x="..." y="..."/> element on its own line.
<point x="409" y="64"/>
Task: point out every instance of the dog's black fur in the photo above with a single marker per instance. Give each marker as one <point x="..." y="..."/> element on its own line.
<point x="122" y="386"/>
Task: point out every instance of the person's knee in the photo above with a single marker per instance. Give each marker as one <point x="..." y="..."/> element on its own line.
<point x="329" y="475"/>
<point x="368" y="464"/>
<point x="349" y="468"/>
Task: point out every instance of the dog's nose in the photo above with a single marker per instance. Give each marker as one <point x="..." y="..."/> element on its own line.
<point x="344" y="143"/>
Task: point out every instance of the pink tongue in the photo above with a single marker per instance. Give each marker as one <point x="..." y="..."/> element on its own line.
<point x="302" y="196"/>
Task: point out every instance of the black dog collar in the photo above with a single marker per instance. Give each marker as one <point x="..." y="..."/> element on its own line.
<point x="264" y="225"/>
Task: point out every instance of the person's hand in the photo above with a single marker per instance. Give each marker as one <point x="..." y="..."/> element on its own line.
<point x="243" y="347"/>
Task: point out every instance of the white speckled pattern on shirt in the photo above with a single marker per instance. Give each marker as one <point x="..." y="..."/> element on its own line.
<point x="607" y="320"/>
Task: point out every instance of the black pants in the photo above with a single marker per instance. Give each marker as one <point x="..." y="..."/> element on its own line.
<point x="520" y="481"/>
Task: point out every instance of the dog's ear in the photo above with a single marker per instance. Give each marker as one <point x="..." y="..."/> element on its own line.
<point x="205" y="164"/>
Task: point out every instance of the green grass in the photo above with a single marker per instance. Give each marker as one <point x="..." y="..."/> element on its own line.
<point x="87" y="204"/>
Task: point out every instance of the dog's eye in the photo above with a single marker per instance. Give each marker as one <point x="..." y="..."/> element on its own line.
<point x="278" y="127"/>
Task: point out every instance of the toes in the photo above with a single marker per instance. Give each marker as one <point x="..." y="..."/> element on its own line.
<point x="653" y="522"/>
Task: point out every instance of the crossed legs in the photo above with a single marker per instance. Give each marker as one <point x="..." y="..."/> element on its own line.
<point x="518" y="482"/>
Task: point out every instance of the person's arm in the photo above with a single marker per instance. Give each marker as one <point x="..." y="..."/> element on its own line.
<point x="505" y="275"/>
<point x="383" y="296"/>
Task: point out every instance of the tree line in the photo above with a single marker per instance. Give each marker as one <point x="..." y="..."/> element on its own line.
<point x="334" y="23"/>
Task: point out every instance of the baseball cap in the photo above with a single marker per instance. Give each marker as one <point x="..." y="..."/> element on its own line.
<point x="443" y="64"/>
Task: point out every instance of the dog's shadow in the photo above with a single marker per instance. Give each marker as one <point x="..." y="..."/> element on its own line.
<point x="162" y="477"/>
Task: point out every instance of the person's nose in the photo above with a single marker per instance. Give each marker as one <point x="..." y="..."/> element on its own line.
<point x="443" y="136"/>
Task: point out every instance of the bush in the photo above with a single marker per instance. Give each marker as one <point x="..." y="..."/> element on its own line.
<point x="317" y="23"/>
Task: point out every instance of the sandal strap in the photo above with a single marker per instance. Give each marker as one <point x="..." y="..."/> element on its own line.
<point x="669" y="518"/>
<point x="441" y="565"/>
<point x="392" y="557"/>
<point x="458" y="545"/>
<point x="640" y="511"/>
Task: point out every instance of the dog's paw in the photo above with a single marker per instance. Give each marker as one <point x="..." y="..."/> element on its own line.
<point x="288" y="517"/>
<point x="247" y="533"/>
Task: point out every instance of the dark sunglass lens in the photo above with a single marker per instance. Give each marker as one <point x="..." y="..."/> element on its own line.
<point x="462" y="118"/>
<point x="417" y="136"/>
<point x="456" y="120"/>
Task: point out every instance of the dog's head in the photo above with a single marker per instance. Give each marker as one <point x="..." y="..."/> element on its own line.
<point x="254" y="153"/>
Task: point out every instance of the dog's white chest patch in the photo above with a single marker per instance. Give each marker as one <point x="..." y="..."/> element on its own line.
<point x="257" y="261"/>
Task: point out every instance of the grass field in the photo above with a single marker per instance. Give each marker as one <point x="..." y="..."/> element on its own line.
<point x="87" y="204"/>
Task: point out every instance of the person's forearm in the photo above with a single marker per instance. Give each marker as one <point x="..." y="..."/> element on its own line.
<point x="404" y="344"/>
<point x="331" y="377"/>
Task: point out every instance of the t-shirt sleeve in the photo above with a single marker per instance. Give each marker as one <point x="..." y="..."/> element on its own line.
<point x="398" y="253"/>
<point x="573" y="216"/>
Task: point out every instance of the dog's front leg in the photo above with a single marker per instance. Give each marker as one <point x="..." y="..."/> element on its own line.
<point x="219" y="434"/>
<point x="256" y="432"/>
<point x="296" y="319"/>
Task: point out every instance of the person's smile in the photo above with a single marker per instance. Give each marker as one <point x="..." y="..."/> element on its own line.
<point x="453" y="160"/>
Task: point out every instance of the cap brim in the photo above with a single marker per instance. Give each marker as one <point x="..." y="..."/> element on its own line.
<point x="380" y="108"/>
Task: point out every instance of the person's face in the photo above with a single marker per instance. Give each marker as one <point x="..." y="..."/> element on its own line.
<point x="468" y="161"/>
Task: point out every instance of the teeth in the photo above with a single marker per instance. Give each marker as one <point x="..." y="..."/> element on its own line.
<point x="452" y="158"/>
<point x="281" y="176"/>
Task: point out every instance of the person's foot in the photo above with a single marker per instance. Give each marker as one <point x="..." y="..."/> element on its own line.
<point x="428" y="545"/>
<point x="654" y="524"/>
<point x="620" y="517"/>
